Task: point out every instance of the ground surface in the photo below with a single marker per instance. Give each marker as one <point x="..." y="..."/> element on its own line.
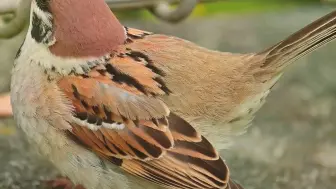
<point x="292" y="142"/>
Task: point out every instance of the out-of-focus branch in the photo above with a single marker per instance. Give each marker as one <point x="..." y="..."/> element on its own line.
<point x="136" y="4"/>
<point x="160" y="8"/>
<point x="164" y="11"/>
<point x="16" y="25"/>
<point x="130" y="4"/>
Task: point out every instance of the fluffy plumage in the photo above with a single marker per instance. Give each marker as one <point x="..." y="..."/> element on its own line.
<point x="98" y="100"/>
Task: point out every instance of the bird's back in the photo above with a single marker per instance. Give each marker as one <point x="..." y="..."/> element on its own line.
<point x="209" y="87"/>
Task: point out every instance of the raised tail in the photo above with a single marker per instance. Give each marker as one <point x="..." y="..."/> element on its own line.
<point x="233" y="185"/>
<point x="301" y="43"/>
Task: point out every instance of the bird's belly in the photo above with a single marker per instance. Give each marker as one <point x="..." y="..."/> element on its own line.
<point x="35" y="112"/>
<point x="80" y="165"/>
<point x="34" y="116"/>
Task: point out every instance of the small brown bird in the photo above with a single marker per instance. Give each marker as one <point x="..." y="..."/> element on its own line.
<point x="116" y="107"/>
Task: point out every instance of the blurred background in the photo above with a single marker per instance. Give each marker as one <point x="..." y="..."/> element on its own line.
<point x="292" y="142"/>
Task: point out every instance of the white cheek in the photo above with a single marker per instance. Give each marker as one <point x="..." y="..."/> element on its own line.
<point x="31" y="51"/>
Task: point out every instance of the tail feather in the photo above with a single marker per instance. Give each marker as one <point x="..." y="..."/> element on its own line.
<point x="301" y="43"/>
<point x="234" y="185"/>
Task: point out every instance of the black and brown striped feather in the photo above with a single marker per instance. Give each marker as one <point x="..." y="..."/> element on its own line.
<point x="152" y="142"/>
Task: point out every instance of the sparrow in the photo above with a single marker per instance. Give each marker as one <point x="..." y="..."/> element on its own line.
<point x="117" y="107"/>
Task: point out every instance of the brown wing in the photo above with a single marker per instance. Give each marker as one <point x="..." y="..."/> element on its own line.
<point x="118" y="114"/>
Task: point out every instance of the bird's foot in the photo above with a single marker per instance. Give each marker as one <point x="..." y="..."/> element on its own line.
<point x="62" y="183"/>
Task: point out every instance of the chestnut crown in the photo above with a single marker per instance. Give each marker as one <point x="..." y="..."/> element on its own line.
<point x="76" y="28"/>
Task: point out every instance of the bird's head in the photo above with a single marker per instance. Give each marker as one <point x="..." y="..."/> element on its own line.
<point x="75" y="28"/>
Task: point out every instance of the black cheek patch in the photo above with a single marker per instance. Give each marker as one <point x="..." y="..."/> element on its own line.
<point x="43" y="5"/>
<point x="39" y="30"/>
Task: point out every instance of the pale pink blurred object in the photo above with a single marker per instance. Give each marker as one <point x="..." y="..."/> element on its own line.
<point x="5" y="106"/>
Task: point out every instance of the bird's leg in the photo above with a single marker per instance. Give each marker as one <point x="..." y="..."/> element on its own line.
<point x="5" y="106"/>
<point x="62" y="183"/>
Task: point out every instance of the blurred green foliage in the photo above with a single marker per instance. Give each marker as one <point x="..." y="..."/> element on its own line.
<point x="228" y="7"/>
